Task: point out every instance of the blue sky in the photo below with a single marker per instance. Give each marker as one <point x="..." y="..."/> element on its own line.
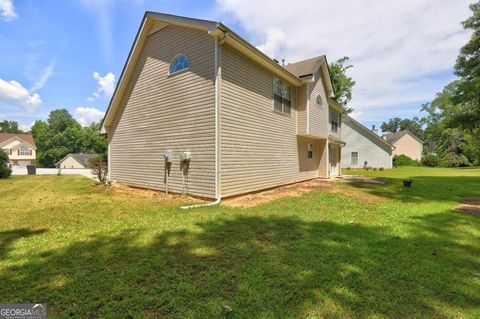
<point x="69" y="54"/>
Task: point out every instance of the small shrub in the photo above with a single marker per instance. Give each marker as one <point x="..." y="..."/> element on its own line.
<point x="374" y="168"/>
<point x="404" y="160"/>
<point x="381" y="169"/>
<point x="431" y="160"/>
<point x="348" y="168"/>
<point x="99" y="165"/>
<point x="5" y="172"/>
<point x="455" y="160"/>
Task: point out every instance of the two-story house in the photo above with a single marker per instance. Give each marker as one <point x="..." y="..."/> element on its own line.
<point x="20" y="148"/>
<point x="200" y="110"/>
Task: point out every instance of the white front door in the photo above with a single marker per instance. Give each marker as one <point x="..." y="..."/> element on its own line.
<point x="334" y="159"/>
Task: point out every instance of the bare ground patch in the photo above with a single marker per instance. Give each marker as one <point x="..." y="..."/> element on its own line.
<point x="332" y="186"/>
<point x="123" y="189"/>
<point x="469" y="206"/>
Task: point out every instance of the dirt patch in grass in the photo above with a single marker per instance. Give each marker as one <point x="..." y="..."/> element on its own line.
<point x="149" y="193"/>
<point x="361" y="180"/>
<point x="262" y="197"/>
<point x="297" y="189"/>
<point x="469" y="206"/>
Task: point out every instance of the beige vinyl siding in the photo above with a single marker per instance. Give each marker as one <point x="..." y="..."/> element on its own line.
<point x="70" y="162"/>
<point x="318" y="114"/>
<point x="302" y="109"/>
<point x="323" y="163"/>
<point x="259" y="147"/>
<point x="161" y="112"/>
<point x="408" y="146"/>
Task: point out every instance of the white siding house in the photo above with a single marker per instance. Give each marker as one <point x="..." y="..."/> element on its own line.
<point x="364" y="146"/>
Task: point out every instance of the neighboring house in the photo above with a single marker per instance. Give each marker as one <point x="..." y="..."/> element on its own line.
<point x="363" y="147"/>
<point x="20" y="148"/>
<point x="247" y="122"/>
<point x="406" y="143"/>
<point x="75" y="161"/>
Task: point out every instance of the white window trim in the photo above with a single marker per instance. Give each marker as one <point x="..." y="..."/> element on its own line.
<point x="273" y="100"/>
<point x="309" y="149"/>
<point x="352" y="157"/>
<point x="182" y="70"/>
<point x="24" y="147"/>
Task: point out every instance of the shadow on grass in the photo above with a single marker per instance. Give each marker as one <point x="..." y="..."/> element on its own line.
<point x="426" y="188"/>
<point x="260" y="267"/>
<point x="8" y="237"/>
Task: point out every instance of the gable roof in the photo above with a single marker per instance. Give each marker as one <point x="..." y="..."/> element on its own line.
<point x="81" y="158"/>
<point x="309" y="67"/>
<point x="28" y="138"/>
<point x="153" y="21"/>
<point x="305" y="67"/>
<point x="368" y="131"/>
<point x="394" y="137"/>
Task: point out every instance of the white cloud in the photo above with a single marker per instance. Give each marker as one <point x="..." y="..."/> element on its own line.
<point x="44" y="76"/>
<point x="13" y="91"/>
<point x="7" y="10"/>
<point x="88" y="115"/>
<point x="397" y="47"/>
<point x="26" y="127"/>
<point x="106" y="86"/>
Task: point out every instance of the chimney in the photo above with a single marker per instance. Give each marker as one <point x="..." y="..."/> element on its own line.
<point x="373" y="128"/>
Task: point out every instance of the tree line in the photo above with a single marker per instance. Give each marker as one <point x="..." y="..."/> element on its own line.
<point x="451" y="127"/>
<point x="60" y="135"/>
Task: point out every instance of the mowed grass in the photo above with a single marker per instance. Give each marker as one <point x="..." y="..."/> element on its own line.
<point x="387" y="252"/>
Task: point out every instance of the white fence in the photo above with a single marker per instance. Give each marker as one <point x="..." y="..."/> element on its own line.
<point x="55" y="171"/>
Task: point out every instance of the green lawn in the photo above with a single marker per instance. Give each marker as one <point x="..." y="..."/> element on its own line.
<point x="389" y="252"/>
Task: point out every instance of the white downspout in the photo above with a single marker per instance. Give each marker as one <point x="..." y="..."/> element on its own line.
<point x="308" y="109"/>
<point x="218" y="77"/>
<point x="108" y="158"/>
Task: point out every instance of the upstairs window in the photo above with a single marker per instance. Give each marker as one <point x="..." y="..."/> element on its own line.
<point x="354" y="159"/>
<point x="309" y="150"/>
<point x="334" y="119"/>
<point x="24" y="151"/>
<point x="179" y="63"/>
<point x="282" y="101"/>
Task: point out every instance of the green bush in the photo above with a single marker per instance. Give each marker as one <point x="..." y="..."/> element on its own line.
<point x="431" y="160"/>
<point x="381" y="169"/>
<point x="404" y="160"/>
<point x="3" y="159"/>
<point x="5" y="172"/>
<point x="455" y="160"/>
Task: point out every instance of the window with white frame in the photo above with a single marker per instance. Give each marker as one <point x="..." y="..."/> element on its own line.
<point x="281" y="96"/>
<point x="354" y="159"/>
<point x="334" y="121"/>
<point x="179" y="63"/>
<point x="309" y="150"/>
<point x="24" y="151"/>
